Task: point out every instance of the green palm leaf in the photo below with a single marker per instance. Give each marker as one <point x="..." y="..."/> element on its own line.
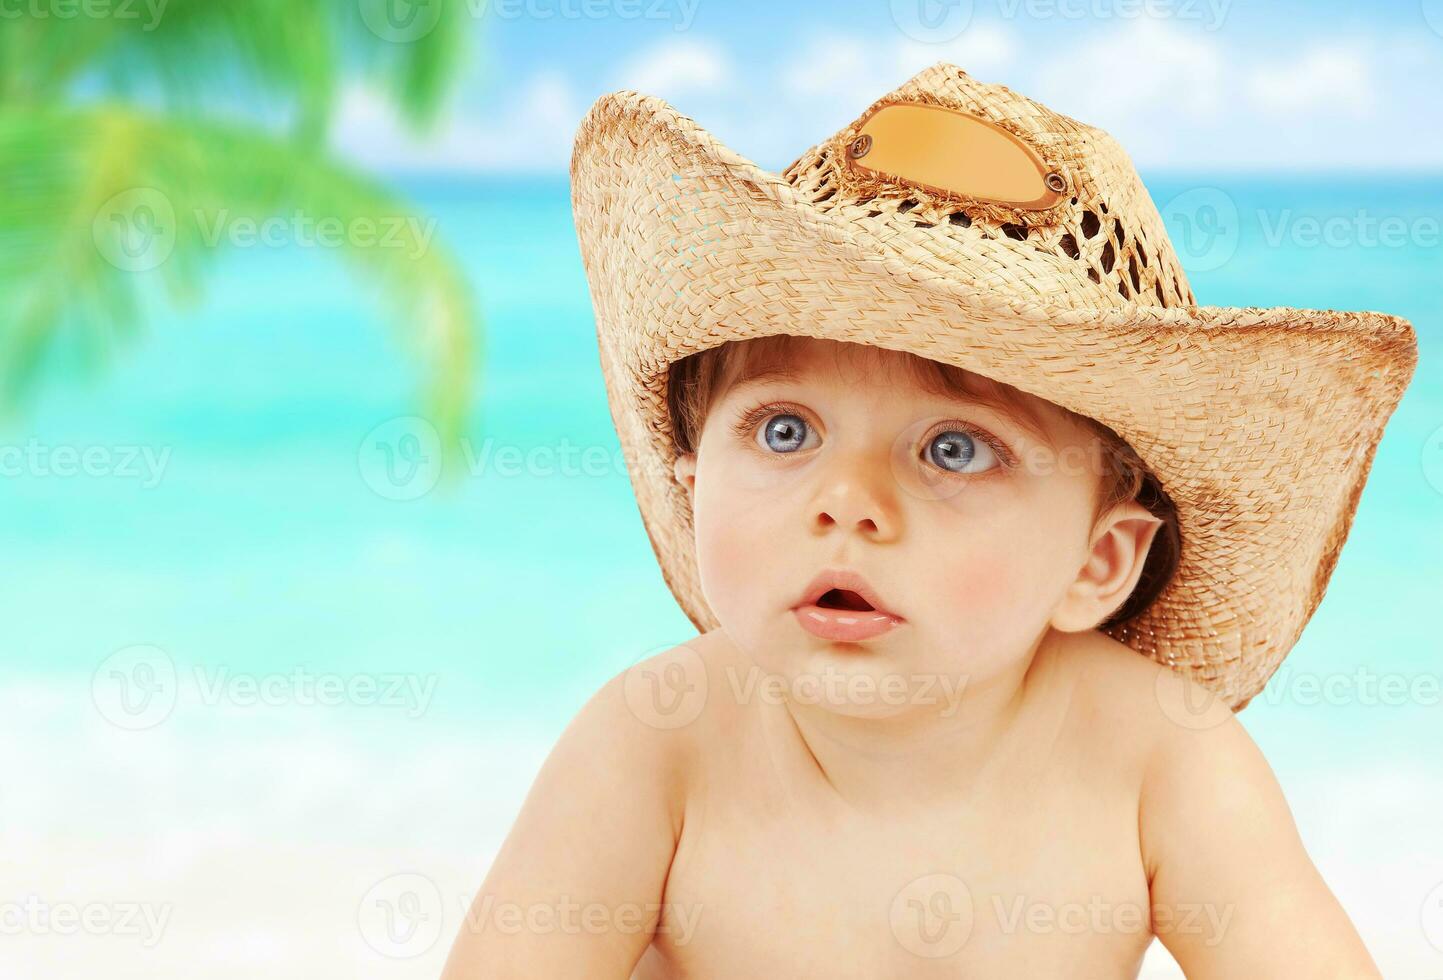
<point x="106" y="199"/>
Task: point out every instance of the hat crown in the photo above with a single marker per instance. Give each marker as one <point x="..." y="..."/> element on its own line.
<point x="1103" y="243"/>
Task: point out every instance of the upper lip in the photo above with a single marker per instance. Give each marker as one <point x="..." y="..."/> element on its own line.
<point x="842" y="578"/>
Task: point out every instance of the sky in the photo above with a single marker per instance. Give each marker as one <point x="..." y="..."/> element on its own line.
<point x="1184" y="85"/>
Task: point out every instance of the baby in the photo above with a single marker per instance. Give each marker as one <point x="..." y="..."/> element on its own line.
<point x="908" y="751"/>
<point x="987" y="529"/>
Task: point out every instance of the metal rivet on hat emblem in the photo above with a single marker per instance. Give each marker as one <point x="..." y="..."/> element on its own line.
<point x="860" y="146"/>
<point x="1056" y="182"/>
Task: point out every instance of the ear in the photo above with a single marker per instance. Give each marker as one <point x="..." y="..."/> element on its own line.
<point x="1114" y="564"/>
<point x="685" y="471"/>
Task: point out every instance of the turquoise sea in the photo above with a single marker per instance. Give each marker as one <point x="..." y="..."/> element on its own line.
<point x="262" y="549"/>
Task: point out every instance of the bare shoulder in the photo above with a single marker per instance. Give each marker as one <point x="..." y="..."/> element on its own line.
<point x="1147" y="701"/>
<point x="602" y="819"/>
<point x="668" y="705"/>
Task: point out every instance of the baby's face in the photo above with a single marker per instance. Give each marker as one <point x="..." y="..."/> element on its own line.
<point x="970" y="529"/>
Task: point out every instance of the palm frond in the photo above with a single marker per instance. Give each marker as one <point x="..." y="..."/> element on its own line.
<point x="290" y="57"/>
<point x="106" y="202"/>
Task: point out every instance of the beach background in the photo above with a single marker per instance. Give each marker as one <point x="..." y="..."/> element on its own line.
<point x="272" y="689"/>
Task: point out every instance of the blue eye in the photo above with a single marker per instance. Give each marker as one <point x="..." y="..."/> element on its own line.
<point x="785" y="433"/>
<point x="958" y="452"/>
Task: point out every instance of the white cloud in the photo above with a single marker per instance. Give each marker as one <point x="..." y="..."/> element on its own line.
<point x="1173" y="96"/>
<point x="1329" y="77"/>
<point x="531" y="131"/>
<point x="981" y="50"/>
<point x="674" y="68"/>
<point x="1136" y="75"/>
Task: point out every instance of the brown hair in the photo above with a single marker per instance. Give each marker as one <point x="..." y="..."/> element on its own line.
<point x="695" y="381"/>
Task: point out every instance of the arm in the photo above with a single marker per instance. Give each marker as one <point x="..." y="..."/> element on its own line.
<point x="575" y="889"/>
<point x="1234" y="893"/>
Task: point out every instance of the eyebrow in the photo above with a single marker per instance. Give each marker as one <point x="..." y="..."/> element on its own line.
<point x="777" y="372"/>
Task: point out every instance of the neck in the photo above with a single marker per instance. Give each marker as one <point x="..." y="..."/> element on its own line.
<point x="928" y="753"/>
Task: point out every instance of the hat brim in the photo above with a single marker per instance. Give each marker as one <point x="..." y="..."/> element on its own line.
<point x="1260" y="423"/>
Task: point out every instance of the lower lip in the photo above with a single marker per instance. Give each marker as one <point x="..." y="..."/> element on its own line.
<point x="846" y="625"/>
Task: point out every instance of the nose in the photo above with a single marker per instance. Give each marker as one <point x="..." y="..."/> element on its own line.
<point x="857" y="493"/>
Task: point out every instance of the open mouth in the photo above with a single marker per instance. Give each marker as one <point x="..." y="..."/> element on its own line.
<point x="844" y="599"/>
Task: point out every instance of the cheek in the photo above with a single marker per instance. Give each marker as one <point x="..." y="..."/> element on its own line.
<point x="1002" y="571"/>
<point x="732" y="535"/>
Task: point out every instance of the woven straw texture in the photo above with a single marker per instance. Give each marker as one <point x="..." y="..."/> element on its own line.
<point x="1261" y="424"/>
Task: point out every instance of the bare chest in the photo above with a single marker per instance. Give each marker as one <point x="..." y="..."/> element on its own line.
<point x="1042" y="880"/>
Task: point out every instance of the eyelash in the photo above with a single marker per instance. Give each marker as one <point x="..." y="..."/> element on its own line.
<point x="749" y="420"/>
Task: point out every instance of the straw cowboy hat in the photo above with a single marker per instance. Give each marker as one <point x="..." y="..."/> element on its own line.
<point x="968" y="224"/>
